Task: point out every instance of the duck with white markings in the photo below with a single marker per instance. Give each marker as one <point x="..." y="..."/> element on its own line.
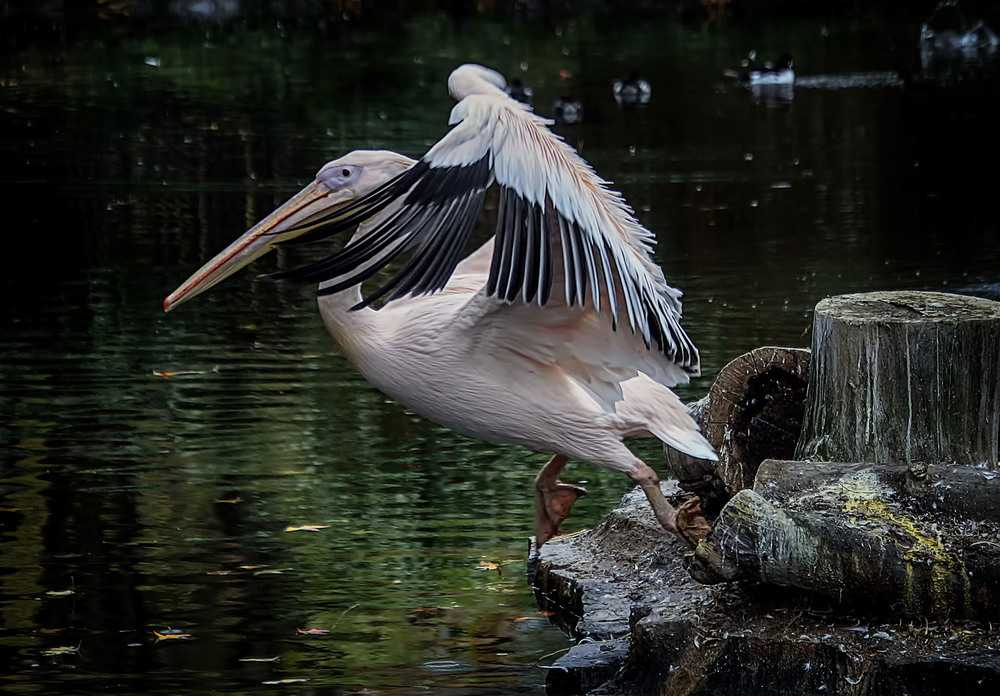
<point x="632" y="91"/>
<point x="781" y="72"/>
<point x="521" y="92"/>
<point x="949" y="39"/>
<point x="567" y="110"/>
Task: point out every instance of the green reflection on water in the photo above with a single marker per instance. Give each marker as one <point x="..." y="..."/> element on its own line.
<point x="130" y="153"/>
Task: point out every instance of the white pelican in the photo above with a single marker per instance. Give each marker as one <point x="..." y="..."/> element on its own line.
<point x="559" y="334"/>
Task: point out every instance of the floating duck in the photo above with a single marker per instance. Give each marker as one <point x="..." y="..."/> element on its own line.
<point x="567" y="110"/>
<point x="632" y="91"/>
<point x="780" y="72"/>
<point x="521" y="92"/>
<point x="948" y="37"/>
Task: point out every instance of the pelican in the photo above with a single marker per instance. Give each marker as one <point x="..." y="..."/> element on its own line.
<point x="559" y="334"/>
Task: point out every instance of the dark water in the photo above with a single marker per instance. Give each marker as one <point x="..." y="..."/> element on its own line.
<point x="150" y="464"/>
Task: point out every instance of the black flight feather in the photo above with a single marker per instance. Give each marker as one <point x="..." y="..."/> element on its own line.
<point x="416" y="227"/>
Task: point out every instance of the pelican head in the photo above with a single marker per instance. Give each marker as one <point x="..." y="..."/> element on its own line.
<point x="470" y="79"/>
<point x="336" y="184"/>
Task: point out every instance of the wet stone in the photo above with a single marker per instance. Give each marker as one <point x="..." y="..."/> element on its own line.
<point x="586" y="667"/>
<point x="625" y="582"/>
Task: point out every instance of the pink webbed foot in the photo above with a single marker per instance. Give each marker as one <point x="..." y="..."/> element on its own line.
<point x="552" y="506"/>
<point x="691" y="526"/>
<point x="553" y="499"/>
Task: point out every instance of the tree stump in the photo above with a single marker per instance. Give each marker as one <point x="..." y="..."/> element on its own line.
<point x="904" y="377"/>
<point x="910" y="381"/>
<point x="752" y="412"/>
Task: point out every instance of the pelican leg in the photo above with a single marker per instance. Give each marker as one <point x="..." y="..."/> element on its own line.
<point x="685" y="521"/>
<point x="553" y="499"/>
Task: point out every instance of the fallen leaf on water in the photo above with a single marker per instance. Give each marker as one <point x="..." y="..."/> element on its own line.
<point x="60" y="593"/>
<point x="172" y="634"/>
<point x="219" y="572"/>
<point x="270" y="571"/>
<point x="168" y="374"/>
<point x="311" y="631"/>
<point x="63" y="650"/>
<point x="490" y="565"/>
<point x="250" y="567"/>
<point x="260" y="659"/>
<point x="229" y="501"/>
<point x="306" y="528"/>
<point x="528" y="618"/>
<point x="286" y="681"/>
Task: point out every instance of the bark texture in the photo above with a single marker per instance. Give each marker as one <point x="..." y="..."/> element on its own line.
<point x="904" y="377"/>
<point x="891" y="538"/>
<point x="895" y="378"/>
<point x="752" y="412"/>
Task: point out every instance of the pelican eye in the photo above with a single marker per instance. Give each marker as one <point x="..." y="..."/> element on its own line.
<point x="335" y="177"/>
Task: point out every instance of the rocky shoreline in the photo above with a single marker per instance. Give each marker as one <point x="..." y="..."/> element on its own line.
<point x="644" y="626"/>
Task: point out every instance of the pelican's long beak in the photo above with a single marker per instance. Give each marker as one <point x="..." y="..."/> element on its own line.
<point x="313" y="200"/>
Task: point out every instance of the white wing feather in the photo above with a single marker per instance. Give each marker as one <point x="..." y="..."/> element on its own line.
<point x="564" y="240"/>
<point x="542" y="169"/>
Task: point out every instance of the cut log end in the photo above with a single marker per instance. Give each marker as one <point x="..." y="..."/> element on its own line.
<point x="752" y="412"/>
<point x="904" y="377"/>
<point x="908" y="307"/>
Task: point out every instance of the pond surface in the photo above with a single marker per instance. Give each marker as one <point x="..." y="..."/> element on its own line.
<point x="151" y="465"/>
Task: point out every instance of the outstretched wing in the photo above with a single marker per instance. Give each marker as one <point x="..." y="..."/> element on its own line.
<point x="578" y="339"/>
<point x="549" y="197"/>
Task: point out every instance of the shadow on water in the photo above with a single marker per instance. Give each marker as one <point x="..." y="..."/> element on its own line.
<point x="150" y="465"/>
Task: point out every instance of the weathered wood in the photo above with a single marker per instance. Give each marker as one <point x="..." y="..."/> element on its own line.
<point x="886" y="537"/>
<point x="904" y="377"/>
<point x="960" y="492"/>
<point x="752" y="412"/>
<point x="901" y="377"/>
